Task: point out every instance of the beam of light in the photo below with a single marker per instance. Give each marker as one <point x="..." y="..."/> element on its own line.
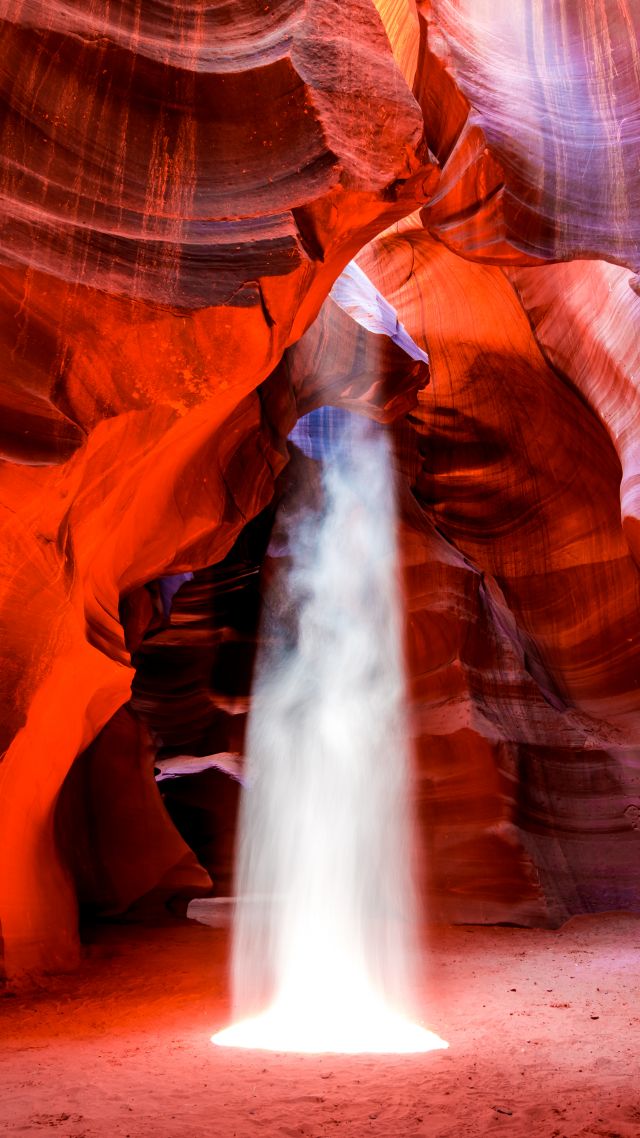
<point x="349" y="1018"/>
<point x="325" y="940"/>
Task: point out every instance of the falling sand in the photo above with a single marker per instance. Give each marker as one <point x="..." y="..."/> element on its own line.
<point x="324" y="927"/>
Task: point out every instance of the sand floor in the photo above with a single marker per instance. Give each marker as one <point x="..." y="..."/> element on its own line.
<point x="544" y="1033"/>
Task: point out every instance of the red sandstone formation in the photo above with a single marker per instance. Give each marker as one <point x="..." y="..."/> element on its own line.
<point x="180" y="191"/>
<point x="532" y="112"/>
<point x="181" y="186"/>
<point x="522" y="641"/>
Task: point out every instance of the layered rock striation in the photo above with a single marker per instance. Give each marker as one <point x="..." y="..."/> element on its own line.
<point x="180" y="190"/>
<point x="181" y="186"/>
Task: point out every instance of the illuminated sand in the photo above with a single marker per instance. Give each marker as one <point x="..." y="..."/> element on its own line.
<point x="324" y="953"/>
<point x="370" y="1030"/>
<point x="123" y="1046"/>
<point x="347" y="1021"/>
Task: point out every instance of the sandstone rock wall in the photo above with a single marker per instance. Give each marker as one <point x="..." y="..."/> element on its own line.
<point x="181" y="185"/>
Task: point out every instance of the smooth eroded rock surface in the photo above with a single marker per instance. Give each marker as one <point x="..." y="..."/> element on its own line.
<point x="181" y="185"/>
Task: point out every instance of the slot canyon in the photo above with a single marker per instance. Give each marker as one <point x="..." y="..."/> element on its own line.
<point x="229" y="228"/>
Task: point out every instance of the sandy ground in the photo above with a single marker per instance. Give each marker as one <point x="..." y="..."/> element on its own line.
<point x="544" y="1033"/>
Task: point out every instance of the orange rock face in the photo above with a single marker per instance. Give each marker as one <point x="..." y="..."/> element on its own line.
<point x="181" y="187"/>
<point x="515" y="493"/>
<point x="180" y="191"/>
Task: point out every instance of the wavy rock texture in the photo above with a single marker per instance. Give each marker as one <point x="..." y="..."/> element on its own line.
<point x="533" y="110"/>
<point x="523" y="653"/>
<point x="401" y="23"/>
<point x="192" y="689"/>
<point x="181" y="185"/>
<point x="585" y="320"/>
<point x="194" y="668"/>
<point x="114" y="860"/>
<point x="197" y="156"/>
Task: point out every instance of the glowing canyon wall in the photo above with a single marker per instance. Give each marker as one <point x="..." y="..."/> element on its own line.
<point x="181" y="185"/>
